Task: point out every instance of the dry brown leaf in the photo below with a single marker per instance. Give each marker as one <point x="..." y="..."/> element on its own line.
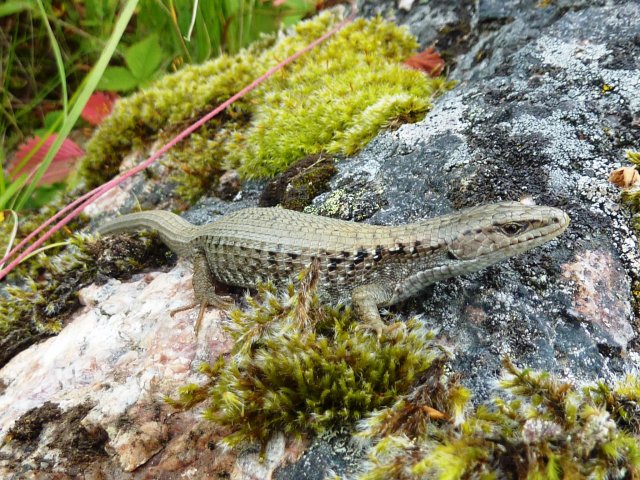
<point x="624" y="177"/>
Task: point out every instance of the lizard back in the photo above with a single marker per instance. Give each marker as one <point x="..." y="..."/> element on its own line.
<point x="259" y="244"/>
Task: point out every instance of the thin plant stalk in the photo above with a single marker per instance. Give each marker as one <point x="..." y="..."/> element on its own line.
<point x="58" y="57"/>
<point x="14" y="232"/>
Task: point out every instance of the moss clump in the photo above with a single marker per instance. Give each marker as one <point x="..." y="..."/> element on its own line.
<point x="193" y="170"/>
<point x="27" y="293"/>
<point x="334" y="99"/>
<point x="300" y="184"/>
<point x="170" y="103"/>
<point x="542" y="429"/>
<point x="631" y="196"/>
<point x="299" y="366"/>
<point x="35" y="308"/>
<point x="337" y="99"/>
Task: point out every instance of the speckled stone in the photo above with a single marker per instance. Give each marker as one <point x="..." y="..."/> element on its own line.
<point x="547" y="104"/>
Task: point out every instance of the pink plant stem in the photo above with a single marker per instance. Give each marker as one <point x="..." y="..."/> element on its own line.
<point x="79" y="204"/>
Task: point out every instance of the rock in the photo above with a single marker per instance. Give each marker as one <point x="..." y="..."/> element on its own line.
<point x="104" y="377"/>
<point x="534" y="116"/>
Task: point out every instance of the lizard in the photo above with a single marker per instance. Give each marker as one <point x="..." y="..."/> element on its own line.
<point x="370" y="266"/>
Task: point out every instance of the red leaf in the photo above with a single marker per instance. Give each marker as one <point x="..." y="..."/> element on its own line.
<point x="60" y="167"/>
<point x="98" y="107"/>
<point x="428" y="61"/>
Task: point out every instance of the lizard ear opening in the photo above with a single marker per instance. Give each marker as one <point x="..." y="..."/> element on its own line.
<point x="452" y="256"/>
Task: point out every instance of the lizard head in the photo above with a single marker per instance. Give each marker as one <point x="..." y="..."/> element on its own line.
<point x="491" y="233"/>
<point x="472" y="239"/>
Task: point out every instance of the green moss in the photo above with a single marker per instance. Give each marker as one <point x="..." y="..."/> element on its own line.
<point x="33" y="308"/>
<point x="299" y="185"/>
<point x="334" y="99"/>
<point x="538" y="428"/>
<point x="633" y="156"/>
<point x="299" y="366"/>
<point x="337" y="99"/>
<point x="631" y="196"/>
<point x="169" y="104"/>
<point x="196" y="165"/>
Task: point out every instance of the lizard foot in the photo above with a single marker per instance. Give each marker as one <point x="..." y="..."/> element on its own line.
<point x="380" y="328"/>
<point x="221" y="302"/>
<point x="173" y="311"/>
<point x="217" y="301"/>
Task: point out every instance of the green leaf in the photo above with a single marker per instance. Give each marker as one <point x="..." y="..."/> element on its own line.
<point x="291" y="20"/>
<point x="52" y="118"/>
<point x="144" y="58"/>
<point x="9" y="8"/>
<point x="152" y="78"/>
<point x="117" y="79"/>
<point x="202" y="44"/>
<point x="52" y="121"/>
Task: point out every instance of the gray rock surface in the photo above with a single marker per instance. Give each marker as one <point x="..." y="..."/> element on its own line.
<point x="548" y="101"/>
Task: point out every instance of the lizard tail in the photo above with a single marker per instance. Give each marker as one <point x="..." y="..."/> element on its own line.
<point x="175" y="232"/>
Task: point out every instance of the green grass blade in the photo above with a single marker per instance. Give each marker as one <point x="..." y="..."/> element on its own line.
<point x="12" y="235"/>
<point x="58" y="57"/>
<point x="11" y="189"/>
<point x="88" y="88"/>
<point x="2" y="162"/>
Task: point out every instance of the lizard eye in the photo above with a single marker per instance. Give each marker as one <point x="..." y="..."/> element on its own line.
<point x="513" y="229"/>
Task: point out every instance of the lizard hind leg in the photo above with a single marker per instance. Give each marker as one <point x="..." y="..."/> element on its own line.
<point x="366" y="300"/>
<point x="204" y="291"/>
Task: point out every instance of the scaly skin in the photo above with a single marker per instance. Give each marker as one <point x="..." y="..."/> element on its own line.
<point x="369" y="265"/>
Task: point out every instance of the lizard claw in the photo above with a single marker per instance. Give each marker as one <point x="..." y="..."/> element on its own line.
<point x="377" y="327"/>
<point x="173" y="311"/>
<point x="380" y="328"/>
<point x="221" y="302"/>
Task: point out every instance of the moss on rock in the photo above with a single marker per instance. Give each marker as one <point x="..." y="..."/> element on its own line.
<point x="47" y="293"/>
<point x="538" y="427"/>
<point x="295" y="188"/>
<point x="333" y="99"/>
<point x="300" y="367"/>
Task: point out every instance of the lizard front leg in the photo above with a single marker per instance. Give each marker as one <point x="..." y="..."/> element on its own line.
<point x="204" y="289"/>
<point x="366" y="300"/>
